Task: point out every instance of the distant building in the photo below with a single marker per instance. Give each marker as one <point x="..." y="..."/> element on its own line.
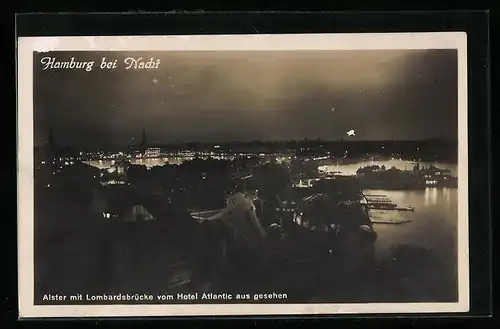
<point x="116" y="174"/>
<point x="121" y="167"/>
<point x="152" y="153"/>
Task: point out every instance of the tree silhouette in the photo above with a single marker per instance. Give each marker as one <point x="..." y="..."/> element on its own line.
<point x="270" y="179"/>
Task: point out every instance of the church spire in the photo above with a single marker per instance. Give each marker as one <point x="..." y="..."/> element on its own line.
<point x="144" y="141"/>
<point x="52" y="141"/>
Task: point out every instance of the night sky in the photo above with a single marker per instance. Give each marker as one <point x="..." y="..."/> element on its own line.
<point x="201" y="96"/>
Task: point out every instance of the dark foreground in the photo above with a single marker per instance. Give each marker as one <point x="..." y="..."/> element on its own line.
<point x="78" y="251"/>
<point x="161" y="257"/>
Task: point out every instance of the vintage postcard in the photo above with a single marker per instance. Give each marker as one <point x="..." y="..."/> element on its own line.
<point x="242" y="175"/>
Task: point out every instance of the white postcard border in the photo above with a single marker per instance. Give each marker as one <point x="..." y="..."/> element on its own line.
<point x="361" y="41"/>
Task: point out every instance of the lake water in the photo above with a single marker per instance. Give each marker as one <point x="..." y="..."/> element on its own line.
<point x="148" y="162"/>
<point x="347" y="169"/>
<point x="434" y="222"/>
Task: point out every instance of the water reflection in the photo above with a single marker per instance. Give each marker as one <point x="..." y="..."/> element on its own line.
<point x="433" y="224"/>
<point x="431" y="196"/>
<point x="148" y="162"/>
<point x="446" y="193"/>
<point x="346" y="169"/>
<point x="434" y="196"/>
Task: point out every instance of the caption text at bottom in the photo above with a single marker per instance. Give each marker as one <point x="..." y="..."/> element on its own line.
<point x="167" y="297"/>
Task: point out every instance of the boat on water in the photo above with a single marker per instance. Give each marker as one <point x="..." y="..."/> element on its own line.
<point x="436" y="177"/>
<point x="379" y="177"/>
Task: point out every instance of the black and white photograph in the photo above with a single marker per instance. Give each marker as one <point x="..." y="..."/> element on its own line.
<point x="242" y="175"/>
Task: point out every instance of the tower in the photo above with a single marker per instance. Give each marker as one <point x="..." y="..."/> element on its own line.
<point x="144" y="142"/>
<point x="52" y="142"/>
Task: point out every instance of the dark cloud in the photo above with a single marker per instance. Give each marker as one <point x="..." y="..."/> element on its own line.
<point x="202" y="96"/>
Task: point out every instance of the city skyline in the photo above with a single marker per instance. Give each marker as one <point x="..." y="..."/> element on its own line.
<point x="142" y="141"/>
<point x="247" y="96"/>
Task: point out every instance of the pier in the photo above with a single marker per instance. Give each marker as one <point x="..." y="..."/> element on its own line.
<point x="382" y="202"/>
<point x="383" y="211"/>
